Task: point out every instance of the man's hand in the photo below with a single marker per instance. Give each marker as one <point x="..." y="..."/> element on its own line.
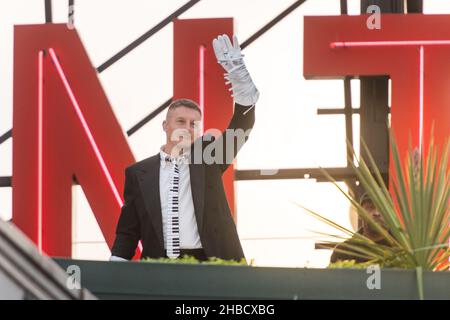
<point x="230" y="57"/>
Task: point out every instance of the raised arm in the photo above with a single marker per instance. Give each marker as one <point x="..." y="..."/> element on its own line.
<point x="245" y="96"/>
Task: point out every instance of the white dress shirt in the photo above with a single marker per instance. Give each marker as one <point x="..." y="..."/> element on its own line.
<point x="189" y="236"/>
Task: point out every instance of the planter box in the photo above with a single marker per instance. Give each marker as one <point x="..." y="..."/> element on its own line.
<point x="140" y="280"/>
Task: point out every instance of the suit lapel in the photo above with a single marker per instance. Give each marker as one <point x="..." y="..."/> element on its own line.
<point x="149" y="186"/>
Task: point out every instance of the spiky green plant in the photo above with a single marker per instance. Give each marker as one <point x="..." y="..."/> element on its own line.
<point x="417" y="216"/>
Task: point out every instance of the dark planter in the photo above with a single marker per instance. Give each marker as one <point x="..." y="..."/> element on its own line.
<point x="139" y="280"/>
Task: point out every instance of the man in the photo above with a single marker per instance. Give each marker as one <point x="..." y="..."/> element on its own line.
<point x="366" y="229"/>
<point x="175" y="201"/>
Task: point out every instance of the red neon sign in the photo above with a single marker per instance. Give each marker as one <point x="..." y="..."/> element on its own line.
<point x="86" y="128"/>
<point x="64" y="124"/>
<point x="54" y="131"/>
<point x="412" y="49"/>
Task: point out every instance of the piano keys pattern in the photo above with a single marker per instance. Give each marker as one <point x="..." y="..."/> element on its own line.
<point x="173" y="219"/>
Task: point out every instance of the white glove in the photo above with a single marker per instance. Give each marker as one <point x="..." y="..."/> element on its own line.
<point x="230" y="57"/>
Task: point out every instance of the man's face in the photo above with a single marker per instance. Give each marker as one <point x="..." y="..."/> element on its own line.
<point x="182" y="126"/>
<point x="375" y="214"/>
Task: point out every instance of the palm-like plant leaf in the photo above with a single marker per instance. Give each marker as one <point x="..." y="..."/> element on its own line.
<point x="417" y="215"/>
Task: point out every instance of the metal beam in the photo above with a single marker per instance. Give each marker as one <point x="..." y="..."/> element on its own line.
<point x="344" y="9"/>
<point x="348" y="112"/>
<point x="338" y="174"/>
<point x="149" y="117"/>
<point x="245" y="44"/>
<point x="71" y="13"/>
<point x="158" y="27"/>
<point x="145" y="36"/>
<point x="374" y="106"/>
<point x="328" y="111"/>
<point x="5" y="182"/>
<point x="415" y="6"/>
<point x="272" y="23"/>
<point x="48" y="11"/>
<point x="6" y="136"/>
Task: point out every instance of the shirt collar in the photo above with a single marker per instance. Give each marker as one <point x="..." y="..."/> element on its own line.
<point x="180" y="159"/>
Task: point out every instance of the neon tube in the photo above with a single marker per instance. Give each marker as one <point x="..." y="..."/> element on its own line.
<point x="421" y="44"/>
<point x="86" y="128"/>
<point x="88" y="132"/>
<point x="201" y="82"/>
<point x="40" y="145"/>
<point x="421" y="95"/>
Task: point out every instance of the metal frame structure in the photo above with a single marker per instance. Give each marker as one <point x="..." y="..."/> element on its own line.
<point x="374" y="93"/>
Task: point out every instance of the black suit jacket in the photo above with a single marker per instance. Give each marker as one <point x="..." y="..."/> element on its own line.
<point x="141" y="217"/>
